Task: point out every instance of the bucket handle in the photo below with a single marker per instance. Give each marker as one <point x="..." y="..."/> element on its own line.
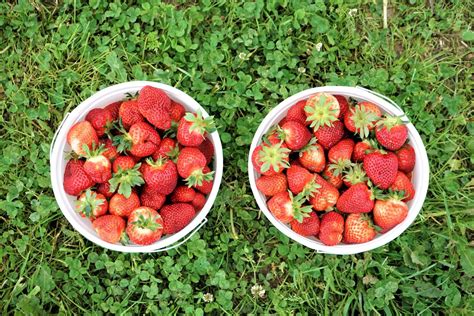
<point x="176" y="245"/>
<point x="56" y="134"/>
<point x="404" y="118"/>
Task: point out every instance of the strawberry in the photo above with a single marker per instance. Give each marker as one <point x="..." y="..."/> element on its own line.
<point x="301" y="181"/>
<point x="183" y="194"/>
<point x="191" y="163"/>
<point x="122" y="206"/>
<point x="271" y="185"/>
<point x="296" y="113"/>
<point x="161" y="175"/>
<point x="361" y="118"/>
<point x="355" y="174"/>
<point x="141" y="140"/>
<point x="283" y="121"/>
<point x="199" y="201"/>
<point x="358" y="229"/>
<point x="125" y="179"/>
<point x="144" y="226"/>
<point x="82" y="135"/>
<point x="406" y="158"/>
<point x="176" y="217"/>
<point x="97" y="166"/>
<point x="123" y="162"/>
<point x="312" y="156"/>
<point x="360" y="150"/>
<point x="113" y="108"/>
<point x="343" y="105"/>
<point x="321" y="109"/>
<point x="390" y="212"/>
<point x="109" y="228"/>
<point x="329" y="136"/>
<point x="391" y="133"/>
<point x="177" y="111"/>
<point x="155" y="105"/>
<point x="308" y="227"/>
<point x="341" y="151"/>
<point x="168" y="148"/>
<point x="287" y="208"/>
<point x="333" y="174"/>
<point x="325" y="197"/>
<point x="357" y="199"/>
<point x="104" y="189"/>
<point x="193" y="129"/>
<point x="76" y="178"/>
<point x="270" y="159"/>
<point x="152" y="199"/>
<point x="101" y="120"/>
<point x="110" y="151"/>
<point x="207" y="148"/>
<point x="91" y="205"/>
<point x="331" y="228"/>
<point x="206" y="186"/>
<point x="403" y="183"/>
<point x="381" y="168"/>
<point x="295" y="135"/>
<point x="130" y="114"/>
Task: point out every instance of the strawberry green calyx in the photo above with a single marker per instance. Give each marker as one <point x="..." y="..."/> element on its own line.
<point x="310" y="189"/>
<point x="89" y="204"/>
<point x="363" y="120"/>
<point x="124" y="180"/>
<point x="197" y="177"/>
<point x="94" y="152"/>
<point x="158" y="163"/>
<point x="299" y="211"/>
<point x="389" y="122"/>
<point x="147" y="223"/>
<point x="122" y="141"/>
<point x="199" y="124"/>
<point x="171" y="132"/>
<point x="274" y="156"/>
<point x="173" y="154"/>
<point x="321" y="110"/>
<point x="340" y="166"/>
<point x="355" y="174"/>
<point x="309" y="146"/>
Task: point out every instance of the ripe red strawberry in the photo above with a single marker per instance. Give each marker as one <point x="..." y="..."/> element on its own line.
<point x="125" y="179"/>
<point x="312" y="157"/>
<point x="300" y="180"/>
<point x="325" y="197"/>
<point x="110" y="150"/>
<point x="177" y="111"/>
<point x="129" y="113"/>
<point x="406" y="158"/>
<point x="161" y="175"/>
<point x="193" y="129"/>
<point x="329" y="136"/>
<point x="358" y="229"/>
<point x="176" y="217"/>
<point x="333" y="174"/>
<point x="391" y="133"/>
<point x="390" y="212"/>
<point x="82" y="135"/>
<point x="168" y="148"/>
<point x="207" y="148"/>
<point x="206" y="186"/>
<point x="76" y="178"/>
<point x="191" y="163"/>
<point x="322" y="109"/>
<point x="101" y="120"/>
<point x="287" y="208"/>
<point x="309" y="226"/>
<point x="144" y="226"/>
<point x="381" y="168"/>
<point x="122" y="206"/>
<point x="97" y="166"/>
<point x="403" y="183"/>
<point x="295" y="135"/>
<point x="199" y="201"/>
<point x="360" y="150"/>
<point x="152" y="199"/>
<point x="341" y="151"/>
<point x="109" y="228"/>
<point x="355" y="174"/>
<point x="271" y="185"/>
<point x="343" y="105"/>
<point x="91" y="205"/>
<point x="123" y="162"/>
<point x="361" y="118"/>
<point x="357" y="199"/>
<point x="270" y="159"/>
<point x="183" y="194"/>
<point x="331" y="228"/>
<point x="297" y="113"/>
<point x="113" y="108"/>
<point x="141" y="140"/>
<point x="155" y="105"/>
<point x="104" y="189"/>
<point x="283" y="121"/>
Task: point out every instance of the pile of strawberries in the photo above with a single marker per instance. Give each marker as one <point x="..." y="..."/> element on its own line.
<point x="336" y="169"/>
<point x="140" y="167"/>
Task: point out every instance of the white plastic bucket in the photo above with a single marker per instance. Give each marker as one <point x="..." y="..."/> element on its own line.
<point x="420" y="176"/>
<point x="58" y="163"/>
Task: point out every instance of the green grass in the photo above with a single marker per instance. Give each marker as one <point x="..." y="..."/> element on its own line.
<point x="239" y="61"/>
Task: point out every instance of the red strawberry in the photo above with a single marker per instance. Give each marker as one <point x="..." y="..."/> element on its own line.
<point x="123" y="162"/>
<point x="283" y="121"/>
<point x="389" y="213"/>
<point x="406" y="158"/>
<point x="381" y="168"/>
<point x="152" y="199"/>
<point x="176" y="217"/>
<point x="191" y="163"/>
<point x="193" y="129"/>
<point x="199" y="201"/>
<point x="129" y="113"/>
<point x="82" y="135"/>
<point x="321" y="109"/>
<point x="177" y="111"/>
<point x="97" y="166"/>
<point x="309" y="226"/>
<point x="333" y="174"/>
<point x="270" y="159"/>
<point x="361" y="119"/>
<point x="358" y="229"/>
<point x="109" y="228"/>
<point x="357" y="199"/>
<point x="325" y="197"/>
<point x="300" y="180"/>
<point x="343" y="105"/>
<point x="76" y="178"/>
<point x="403" y="183"/>
<point x="409" y="175"/>
<point x="206" y="186"/>
<point x="144" y="226"/>
<point x="125" y="179"/>
<point x="183" y="194"/>
<point x="161" y="175"/>
<point x="100" y="119"/>
<point x="168" y="148"/>
<point x="141" y="140"/>
<point x="295" y="135"/>
<point x="329" y="136"/>
<point x="312" y="157"/>
<point x="104" y="189"/>
<point x="110" y="150"/>
<point x="91" y="205"/>
<point x="155" y="105"/>
<point x="207" y="148"/>
<point x="391" y="133"/>
<point x="271" y="185"/>
<point x="360" y="150"/>
<point x="287" y="208"/>
<point x="341" y="151"/>
<point x="113" y="108"/>
<point x="331" y="228"/>
<point x="296" y="113"/>
<point x="122" y="206"/>
<point x="354" y="175"/>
